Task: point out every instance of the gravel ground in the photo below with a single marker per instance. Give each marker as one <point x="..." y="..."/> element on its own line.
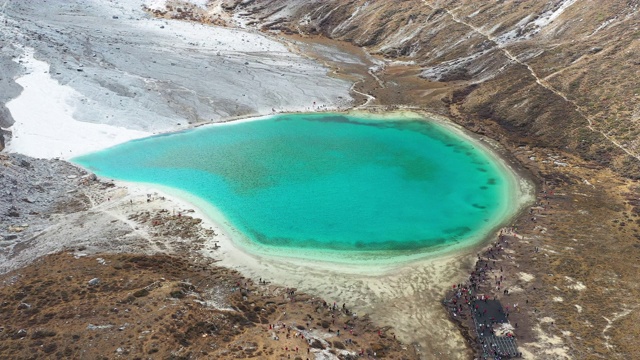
<point x="34" y="193"/>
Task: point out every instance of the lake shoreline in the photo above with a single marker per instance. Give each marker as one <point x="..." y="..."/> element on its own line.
<point x="371" y="287"/>
<point x="518" y="192"/>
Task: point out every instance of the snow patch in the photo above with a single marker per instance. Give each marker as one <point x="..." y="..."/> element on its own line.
<point x="474" y="13"/>
<point x="161" y="5"/>
<point x="525" y="276"/>
<point x="603" y="25"/>
<point x="525" y="29"/>
<point x="546" y="320"/>
<point x="575" y="285"/>
<point x="44" y="125"/>
<point x="549" y="16"/>
<point x="438" y="72"/>
<point x="156" y="5"/>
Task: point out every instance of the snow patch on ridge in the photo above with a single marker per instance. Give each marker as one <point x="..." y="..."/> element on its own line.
<point x="549" y="16"/>
<point x="526" y="28"/>
<point x="159" y="5"/>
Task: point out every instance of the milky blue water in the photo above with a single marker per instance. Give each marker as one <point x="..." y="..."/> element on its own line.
<point x="326" y="181"/>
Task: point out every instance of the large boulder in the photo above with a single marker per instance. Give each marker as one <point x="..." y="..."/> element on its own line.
<point x="5" y="121"/>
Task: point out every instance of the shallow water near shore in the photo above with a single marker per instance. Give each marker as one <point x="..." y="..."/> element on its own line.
<point x="327" y="184"/>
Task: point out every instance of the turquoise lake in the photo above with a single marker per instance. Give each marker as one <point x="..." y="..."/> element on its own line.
<point x="327" y="181"/>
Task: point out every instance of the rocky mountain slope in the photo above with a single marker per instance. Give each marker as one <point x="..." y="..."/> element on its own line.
<point x="558" y="73"/>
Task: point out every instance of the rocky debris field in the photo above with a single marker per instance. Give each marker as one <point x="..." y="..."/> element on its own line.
<point x="134" y="71"/>
<point x="51" y="205"/>
<point x="33" y="192"/>
<point x="31" y="187"/>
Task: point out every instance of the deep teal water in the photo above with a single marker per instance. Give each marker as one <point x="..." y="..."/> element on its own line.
<point x="325" y="181"/>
